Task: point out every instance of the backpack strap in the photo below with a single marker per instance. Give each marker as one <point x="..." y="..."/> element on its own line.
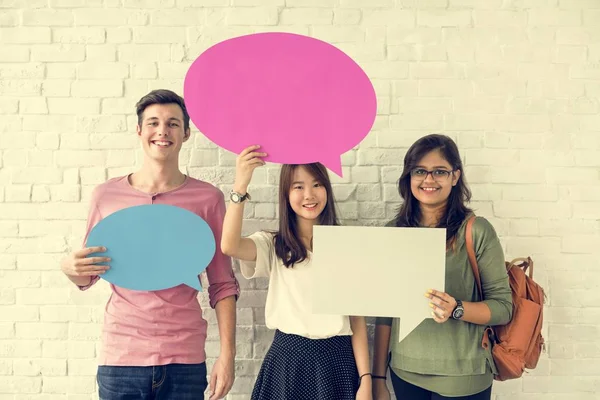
<point x="489" y="332"/>
<point x="471" y="253"/>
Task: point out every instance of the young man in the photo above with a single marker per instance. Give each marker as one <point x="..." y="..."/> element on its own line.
<point x="153" y="342"/>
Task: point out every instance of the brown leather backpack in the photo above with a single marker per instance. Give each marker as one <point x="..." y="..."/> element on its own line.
<point x="518" y="344"/>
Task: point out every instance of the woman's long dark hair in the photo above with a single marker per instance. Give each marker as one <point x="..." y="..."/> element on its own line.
<point x="288" y="245"/>
<point x="456" y="210"/>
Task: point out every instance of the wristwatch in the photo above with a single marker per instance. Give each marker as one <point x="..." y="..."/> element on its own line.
<point x="238" y="197"/>
<point x="458" y="311"/>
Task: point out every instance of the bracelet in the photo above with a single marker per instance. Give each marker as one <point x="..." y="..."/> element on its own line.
<point x="360" y="378"/>
<point x="378" y="377"/>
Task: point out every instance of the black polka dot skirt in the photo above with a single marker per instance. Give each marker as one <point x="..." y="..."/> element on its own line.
<point x="297" y="368"/>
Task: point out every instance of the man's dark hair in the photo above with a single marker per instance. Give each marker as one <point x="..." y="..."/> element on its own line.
<point x="162" y="96"/>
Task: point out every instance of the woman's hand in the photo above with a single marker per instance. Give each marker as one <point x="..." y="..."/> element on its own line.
<point x="442" y="305"/>
<point x="245" y="164"/>
<point x="365" y="389"/>
<point x="380" y="390"/>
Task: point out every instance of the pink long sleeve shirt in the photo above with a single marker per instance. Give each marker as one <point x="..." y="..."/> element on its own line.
<point x="143" y="328"/>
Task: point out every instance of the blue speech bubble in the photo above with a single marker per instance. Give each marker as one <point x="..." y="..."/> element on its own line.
<point x="154" y="247"/>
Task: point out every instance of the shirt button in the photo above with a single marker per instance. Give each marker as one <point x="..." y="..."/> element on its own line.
<point x="153" y="197"/>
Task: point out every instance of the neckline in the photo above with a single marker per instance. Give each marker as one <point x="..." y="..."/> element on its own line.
<point x="185" y="182"/>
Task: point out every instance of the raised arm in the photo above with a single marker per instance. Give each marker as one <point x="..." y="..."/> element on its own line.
<point x="232" y="242"/>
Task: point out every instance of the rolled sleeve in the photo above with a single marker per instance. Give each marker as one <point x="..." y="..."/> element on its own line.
<point x="221" y="279"/>
<point x="494" y="278"/>
<point x="221" y="290"/>
<point x="95" y="278"/>
<point x="261" y="268"/>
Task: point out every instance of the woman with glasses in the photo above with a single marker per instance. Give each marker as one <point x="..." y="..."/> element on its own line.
<point x="443" y="357"/>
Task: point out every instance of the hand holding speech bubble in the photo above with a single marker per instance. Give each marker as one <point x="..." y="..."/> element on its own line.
<point x="378" y="272"/>
<point x="154" y="247"/>
<point x="302" y="99"/>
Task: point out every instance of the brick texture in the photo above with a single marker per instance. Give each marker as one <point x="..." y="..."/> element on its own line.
<point x="515" y="82"/>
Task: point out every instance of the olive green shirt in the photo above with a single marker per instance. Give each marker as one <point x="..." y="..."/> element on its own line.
<point x="448" y="358"/>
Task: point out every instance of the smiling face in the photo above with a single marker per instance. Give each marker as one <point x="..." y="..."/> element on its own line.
<point x="162" y="132"/>
<point x="433" y="188"/>
<point x="307" y="196"/>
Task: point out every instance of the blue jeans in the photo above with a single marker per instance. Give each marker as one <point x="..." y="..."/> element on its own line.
<point x="163" y="382"/>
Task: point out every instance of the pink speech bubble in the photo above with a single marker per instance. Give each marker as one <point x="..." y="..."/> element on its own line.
<point x="301" y="99"/>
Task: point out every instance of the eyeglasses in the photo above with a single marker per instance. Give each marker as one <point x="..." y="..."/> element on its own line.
<point x="438" y="175"/>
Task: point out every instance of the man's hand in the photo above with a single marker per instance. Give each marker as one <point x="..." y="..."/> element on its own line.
<point x="80" y="268"/>
<point x="221" y="377"/>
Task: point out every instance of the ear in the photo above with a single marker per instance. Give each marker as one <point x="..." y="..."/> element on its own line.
<point x="138" y="130"/>
<point x="186" y="134"/>
<point x="456" y="177"/>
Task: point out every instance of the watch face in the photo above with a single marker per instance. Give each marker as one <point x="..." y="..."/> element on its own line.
<point x="235" y="197"/>
<point x="458" y="313"/>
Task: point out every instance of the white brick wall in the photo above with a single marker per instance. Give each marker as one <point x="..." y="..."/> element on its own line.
<point x="515" y="82"/>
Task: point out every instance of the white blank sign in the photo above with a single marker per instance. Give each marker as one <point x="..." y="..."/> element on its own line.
<point x="375" y="271"/>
